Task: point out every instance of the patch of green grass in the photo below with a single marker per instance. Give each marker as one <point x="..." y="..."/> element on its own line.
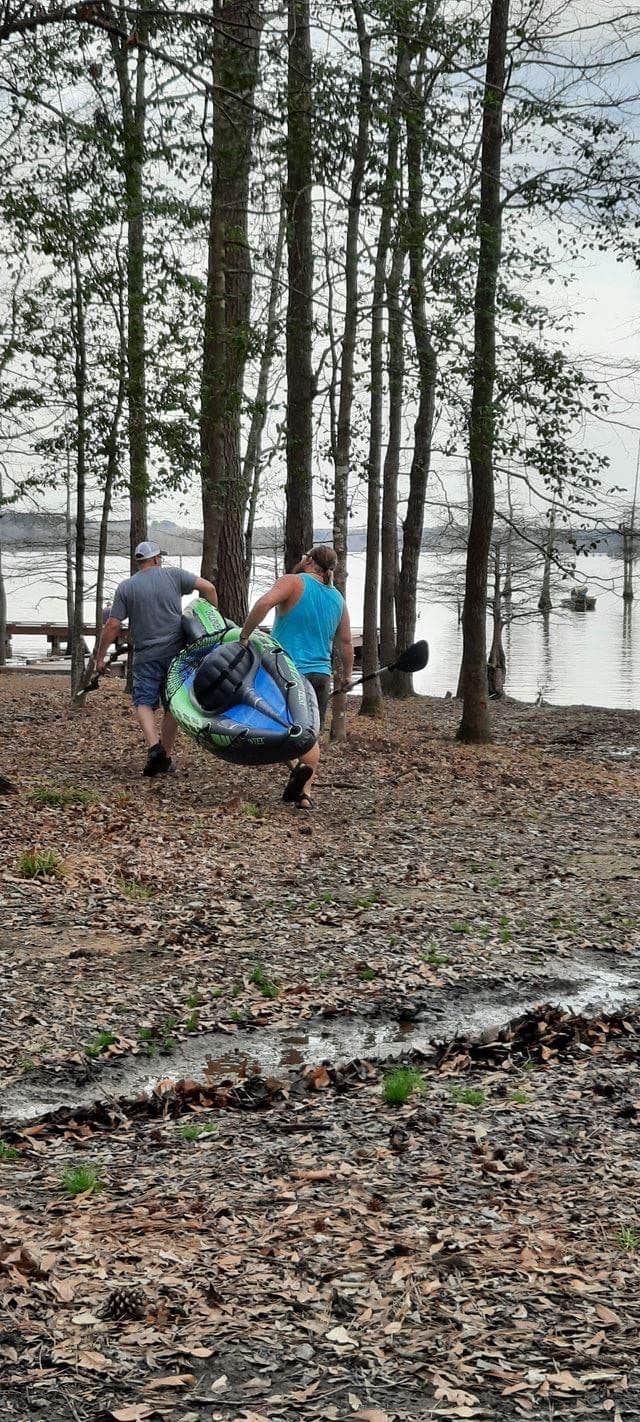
<point x="217" y="992"/>
<point x="528" y="1065"/>
<point x="484" y="932"/>
<point x="505" y="931"/>
<point x="134" y="889"/>
<point x="519" y="1098"/>
<point x="99" y="1044"/>
<point x="325" y="975"/>
<point x="468" y="1095"/>
<point x="237" y="1016"/>
<point x="196" y="1131"/>
<point x="193" y="1021"/>
<point x="366" y="974"/>
<point x="460" y="927"/>
<point x="64" y="795"/>
<point x="165" y="1034"/>
<point x="26" y="1064"/>
<point x="147" y="1036"/>
<point x="237" y="990"/>
<point x="40" y="864"/>
<point x="628" y="1239"/>
<point x="433" y="956"/>
<point x="81" y="1179"/>
<point x="495" y="881"/>
<point x="195" y="998"/>
<point x="250" y="809"/>
<point x="266" y="985"/>
<point x="8" y="1153"/>
<point x="367" y="900"/>
<point x="400" y="1084"/>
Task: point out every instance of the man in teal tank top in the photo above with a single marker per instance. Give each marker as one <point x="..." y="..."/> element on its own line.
<point x="311" y="617"/>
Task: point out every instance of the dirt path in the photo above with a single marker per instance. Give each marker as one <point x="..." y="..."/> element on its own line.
<point x="312" y="1260"/>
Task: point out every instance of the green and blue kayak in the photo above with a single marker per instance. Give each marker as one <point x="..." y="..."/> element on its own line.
<point x="247" y="704"/>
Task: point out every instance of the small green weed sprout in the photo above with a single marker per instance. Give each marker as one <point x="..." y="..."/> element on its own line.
<point x="266" y="985"/>
<point x="460" y="927"/>
<point x="99" y="1044"/>
<point x="195" y="998"/>
<point x="250" y="809"/>
<point x="134" y="889"/>
<point x="468" y="1095"/>
<point x="196" y="1131"/>
<point x="193" y="1021"/>
<point x="8" y="1153"/>
<point x="402" y="1083"/>
<point x="81" y="1180"/>
<point x="433" y="956"/>
<point x="519" y="1097"/>
<point x="40" y="864"/>
<point x="629" y="1239"/>
<point x="366" y="973"/>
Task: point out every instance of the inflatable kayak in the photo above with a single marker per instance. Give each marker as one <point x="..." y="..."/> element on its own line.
<point x="247" y="704"/>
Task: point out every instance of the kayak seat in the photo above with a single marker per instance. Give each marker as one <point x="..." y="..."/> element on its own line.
<point x="224" y="677"/>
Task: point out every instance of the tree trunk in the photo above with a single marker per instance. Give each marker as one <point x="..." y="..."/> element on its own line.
<point x="497" y="664"/>
<point x="80" y="391"/>
<point x="544" y="601"/>
<point x="628" y="536"/>
<point x="253" y="452"/>
<point x="235" y="72"/>
<point x="413" y="525"/>
<point x="111" y="471"/>
<point x="345" y="406"/>
<point x="475" y="725"/>
<point x="68" y="546"/>
<point x="133" y="108"/>
<point x="3" y="592"/>
<point x="300" y="381"/>
<point x="371" y="691"/>
<point x="391" y="472"/>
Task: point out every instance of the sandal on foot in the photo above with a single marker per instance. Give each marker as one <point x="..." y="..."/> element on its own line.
<point x="303" y="803"/>
<point x="296" y="783"/>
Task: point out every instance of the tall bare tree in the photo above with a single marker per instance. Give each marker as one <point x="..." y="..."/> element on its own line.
<point x="300" y="377"/>
<point x="475" y="724"/>
<point x="225" y="490"/>
<point x="128" y="41"/>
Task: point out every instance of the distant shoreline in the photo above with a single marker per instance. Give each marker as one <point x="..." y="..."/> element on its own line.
<point x="27" y="532"/>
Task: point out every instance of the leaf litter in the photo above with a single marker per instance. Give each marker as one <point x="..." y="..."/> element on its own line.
<point x="324" y="1255"/>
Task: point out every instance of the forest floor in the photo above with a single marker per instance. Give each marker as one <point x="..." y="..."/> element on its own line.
<point x="267" y="1246"/>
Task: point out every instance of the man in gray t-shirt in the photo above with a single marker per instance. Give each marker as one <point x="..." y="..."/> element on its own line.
<point x="151" y="602"/>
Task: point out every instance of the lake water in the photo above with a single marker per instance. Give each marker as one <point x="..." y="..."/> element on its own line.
<point x="569" y="657"/>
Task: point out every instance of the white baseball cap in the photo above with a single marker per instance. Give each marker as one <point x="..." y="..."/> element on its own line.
<point x="147" y="550"/>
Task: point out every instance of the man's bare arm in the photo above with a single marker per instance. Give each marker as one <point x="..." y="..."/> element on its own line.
<point x="283" y="589"/>
<point x="207" y="591"/>
<point x="110" y="633"/>
<point x="343" y="645"/>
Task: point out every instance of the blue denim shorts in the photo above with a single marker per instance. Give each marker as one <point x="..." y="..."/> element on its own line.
<point x="148" y="682"/>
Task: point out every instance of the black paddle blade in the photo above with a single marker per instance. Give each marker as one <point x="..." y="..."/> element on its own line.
<point x="413" y="659"/>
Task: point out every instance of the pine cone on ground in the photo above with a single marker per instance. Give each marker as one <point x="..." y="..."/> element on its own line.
<point x="126" y="1301"/>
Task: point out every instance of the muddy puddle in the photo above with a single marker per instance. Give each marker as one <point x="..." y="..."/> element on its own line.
<point x="273" y="1051"/>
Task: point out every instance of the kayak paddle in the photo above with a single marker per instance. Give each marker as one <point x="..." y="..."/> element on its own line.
<point x="413" y="659"/>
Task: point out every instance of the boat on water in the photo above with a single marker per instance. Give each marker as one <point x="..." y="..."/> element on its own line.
<point x="580" y="600"/>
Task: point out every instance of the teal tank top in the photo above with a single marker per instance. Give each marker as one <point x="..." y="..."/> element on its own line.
<point x="308" y="630"/>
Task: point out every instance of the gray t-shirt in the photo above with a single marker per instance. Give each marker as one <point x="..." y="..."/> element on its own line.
<point x="152" y="601"/>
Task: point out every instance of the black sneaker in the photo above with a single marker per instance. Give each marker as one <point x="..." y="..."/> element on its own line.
<point x="158" y="761"/>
